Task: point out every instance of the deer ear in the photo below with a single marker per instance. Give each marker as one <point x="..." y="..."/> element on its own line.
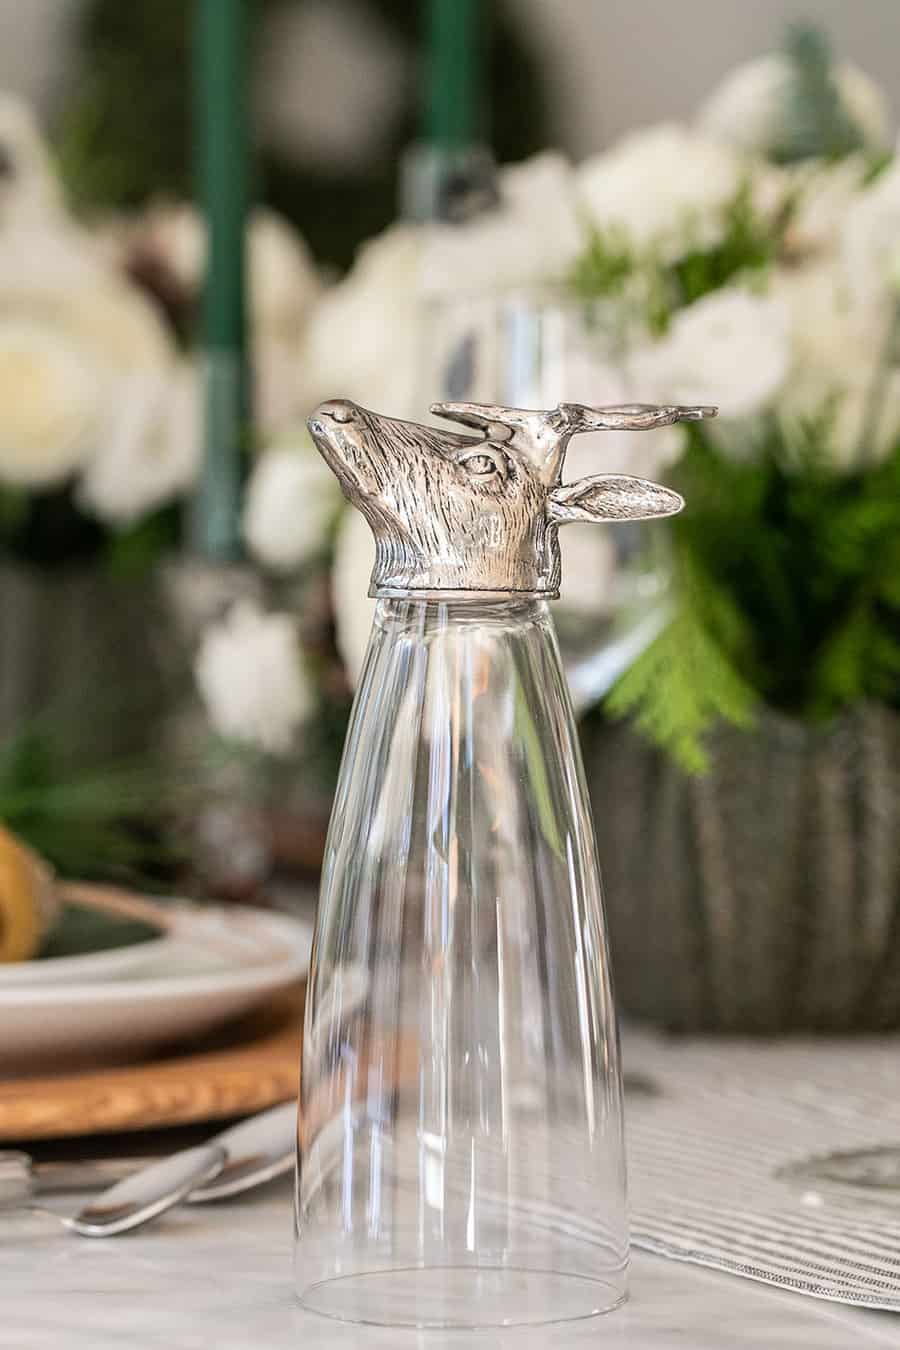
<point x="611" y="496"/>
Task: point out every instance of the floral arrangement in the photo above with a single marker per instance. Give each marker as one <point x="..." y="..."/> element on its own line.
<point x="100" y="423"/>
<point x="750" y="258"/>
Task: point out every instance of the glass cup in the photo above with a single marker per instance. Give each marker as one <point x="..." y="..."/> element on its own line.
<point x="460" y="1157"/>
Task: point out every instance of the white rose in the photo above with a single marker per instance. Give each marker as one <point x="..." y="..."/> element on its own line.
<point x="30" y="194"/>
<point x="280" y="392"/>
<point x="148" y="449"/>
<point x="364" y="338"/>
<point x="823" y="194"/>
<point x="665" y="188"/>
<point x="871" y="237"/>
<point x="175" y="233"/>
<point x="51" y="396"/>
<point x="117" y="321"/>
<point x="533" y="236"/>
<point x="47" y="262"/>
<point x="110" y="320"/>
<point x="250" y="674"/>
<point x="731" y="348"/>
<point x="282" y="280"/>
<point x="747" y="109"/>
<point x="292" y="500"/>
<point x="354" y="558"/>
<point x="836" y="347"/>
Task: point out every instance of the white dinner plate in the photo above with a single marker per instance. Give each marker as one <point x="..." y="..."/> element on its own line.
<point x="222" y="962"/>
<point x="110" y="963"/>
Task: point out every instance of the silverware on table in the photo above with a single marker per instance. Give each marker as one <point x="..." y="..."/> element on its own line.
<point x="133" y="1202"/>
<point x="257" y="1150"/>
<point x="244" y="1156"/>
<point x="21" y="1176"/>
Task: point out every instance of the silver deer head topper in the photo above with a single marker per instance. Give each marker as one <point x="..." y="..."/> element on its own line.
<point x="480" y="512"/>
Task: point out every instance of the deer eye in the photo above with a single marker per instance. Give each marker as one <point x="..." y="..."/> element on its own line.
<point x="483" y="464"/>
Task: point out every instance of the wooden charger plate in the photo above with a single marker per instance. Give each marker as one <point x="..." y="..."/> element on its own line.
<point x="249" y="1066"/>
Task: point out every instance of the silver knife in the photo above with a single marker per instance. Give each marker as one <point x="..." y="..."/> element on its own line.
<point x="257" y="1150"/>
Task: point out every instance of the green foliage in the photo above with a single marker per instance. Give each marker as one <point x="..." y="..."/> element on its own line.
<point x="787" y="590"/>
<point x="133" y="550"/>
<point x="46" y="528"/>
<point x="683" y="683"/>
<point x="748" y="244"/>
<point x="604" y="268"/>
<point x="87" y="822"/>
<point x="815" y="123"/>
<point x="652" y="289"/>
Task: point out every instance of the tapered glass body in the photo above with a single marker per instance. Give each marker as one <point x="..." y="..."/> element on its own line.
<point x="460" y="1155"/>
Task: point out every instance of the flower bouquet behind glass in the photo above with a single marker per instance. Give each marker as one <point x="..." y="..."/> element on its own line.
<point x="748" y="259"/>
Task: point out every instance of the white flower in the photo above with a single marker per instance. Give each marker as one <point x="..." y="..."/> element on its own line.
<point x="50" y="401"/>
<point x="364" y="339"/>
<point x="731" y="348"/>
<point x="74" y="332"/>
<point x="292" y="500"/>
<point x="119" y="324"/>
<point x="824" y="193"/>
<point x="747" y="109"/>
<point x="354" y="558"/>
<point x="533" y="236"/>
<point x="29" y="189"/>
<point x="48" y="262"/>
<point x="250" y="674"/>
<point x="665" y="188"/>
<point x="174" y="233"/>
<point x="836" y="348"/>
<point x="106" y="317"/>
<point x="280" y="390"/>
<point x="282" y="280"/>
<point x="149" y="449"/>
<point x="871" y="237"/>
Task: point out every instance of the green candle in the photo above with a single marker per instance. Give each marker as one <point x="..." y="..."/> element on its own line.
<point x="221" y="145"/>
<point x="453" y="114"/>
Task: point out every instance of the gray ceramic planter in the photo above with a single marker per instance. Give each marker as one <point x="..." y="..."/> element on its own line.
<point x="765" y="896"/>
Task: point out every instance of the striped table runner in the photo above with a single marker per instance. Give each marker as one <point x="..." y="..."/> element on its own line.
<point x="707" y="1155"/>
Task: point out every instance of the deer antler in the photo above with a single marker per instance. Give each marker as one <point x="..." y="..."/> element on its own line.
<point x="543" y="436"/>
<point x="632" y="416"/>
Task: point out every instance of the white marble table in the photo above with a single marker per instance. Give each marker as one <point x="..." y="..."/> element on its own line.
<point x="219" y="1278"/>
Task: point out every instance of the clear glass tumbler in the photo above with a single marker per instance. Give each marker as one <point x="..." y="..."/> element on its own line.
<point x="460" y="1145"/>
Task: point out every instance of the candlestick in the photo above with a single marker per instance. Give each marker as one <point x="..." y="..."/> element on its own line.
<point x="454" y="73"/>
<point x="221" y="142"/>
<point x="450" y="173"/>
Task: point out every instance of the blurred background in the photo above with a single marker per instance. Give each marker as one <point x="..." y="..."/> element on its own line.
<point x="214" y="215"/>
<point x="602" y="71"/>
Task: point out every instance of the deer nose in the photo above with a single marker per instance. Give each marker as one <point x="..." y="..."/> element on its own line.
<point x="338" y="409"/>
